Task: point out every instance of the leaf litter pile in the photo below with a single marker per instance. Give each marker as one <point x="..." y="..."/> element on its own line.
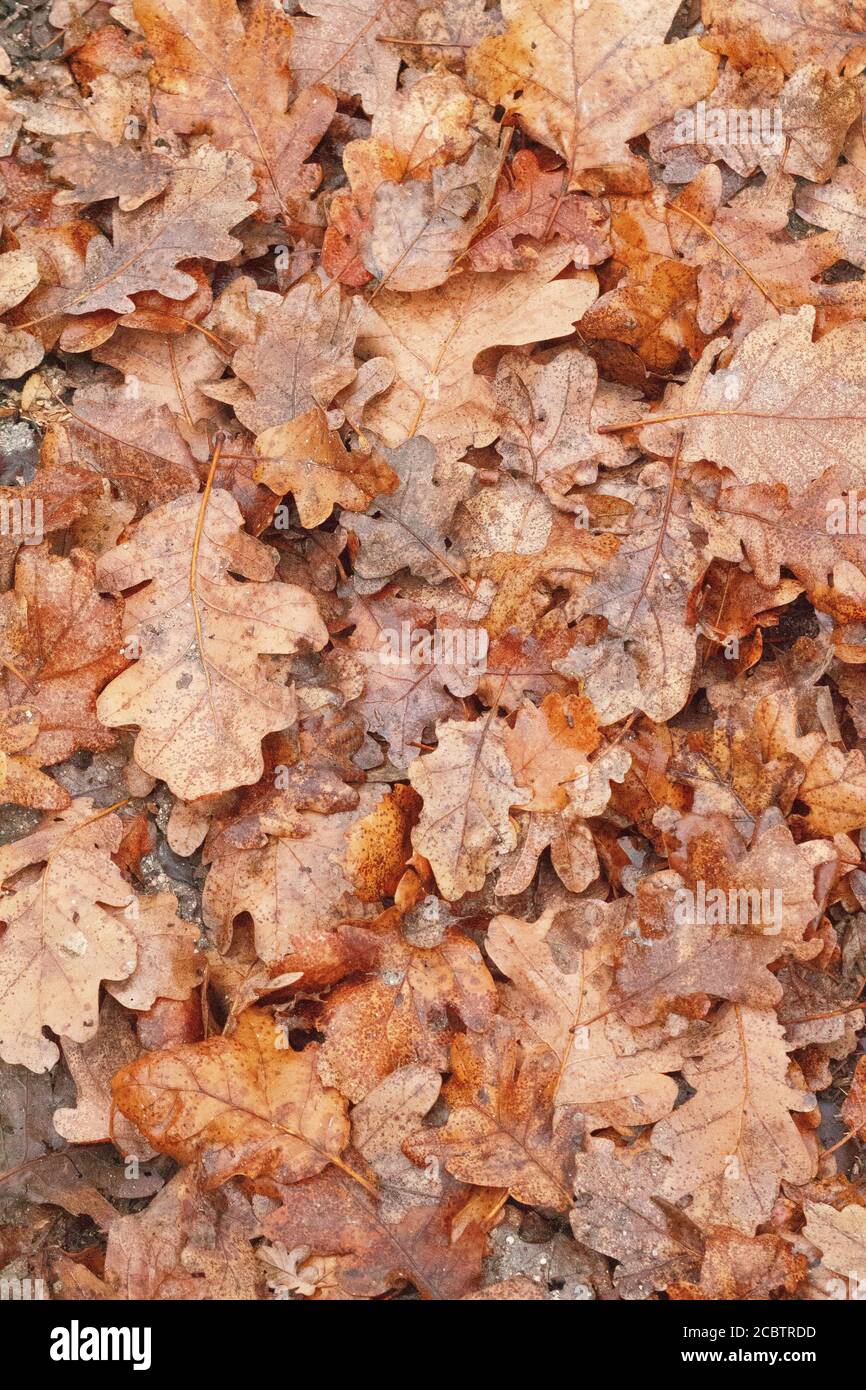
<point x="432" y="664"/>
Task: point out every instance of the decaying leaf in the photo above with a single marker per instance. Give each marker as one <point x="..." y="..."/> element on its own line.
<point x="735" y="1137"/>
<point x="242" y="1104"/>
<point x="212" y="71"/>
<point x="783" y="398"/>
<point x="205" y="198"/>
<point x="467" y="787"/>
<point x="198" y="635"/>
<point x="433" y="338"/>
<point x="61" y="936"/>
<point x="585" y="79"/>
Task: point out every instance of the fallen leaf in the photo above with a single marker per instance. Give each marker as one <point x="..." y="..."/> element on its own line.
<point x="97" y="170"/>
<point x="558" y="69"/>
<point x="61" y="938"/>
<point x="307" y="459"/>
<point x="231" y="76"/>
<point x="784" y="402"/>
<point x="199" y="631"/>
<point x="561" y="997"/>
<point x="434" y="337"/>
<point x="735" y="1137"/>
<point x="238" y="1105"/>
<point x="500" y="1130"/>
<point x="188" y="1244"/>
<point x="467" y="787"/>
<point x="206" y="196"/>
<point x="744" y="1267"/>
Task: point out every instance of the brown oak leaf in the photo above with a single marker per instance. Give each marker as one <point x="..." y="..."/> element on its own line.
<point x="585" y="79"/>
<point x="231" y="76"/>
<point x="246" y="1104"/>
<point x="200" y="635"/>
<point x="61" y="937"/>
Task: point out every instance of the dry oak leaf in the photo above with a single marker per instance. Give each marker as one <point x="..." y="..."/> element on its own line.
<point x="649" y="782"/>
<point x="187" y="1244"/>
<point x="336" y="42"/>
<point x="110" y="68"/>
<point x="775" y="533"/>
<point x="207" y="194"/>
<point x="468" y="788"/>
<point x="153" y="312"/>
<point x="646" y="657"/>
<point x="820" y="1013"/>
<point x="572" y="851"/>
<point x="378" y="845"/>
<point x="333" y="1216"/>
<point x="404" y="691"/>
<point x="91" y="1066"/>
<point x="321" y="772"/>
<point x="311" y="462"/>
<point x="230" y="76"/>
<point x="653" y="310"/>
<point x="725" y="771"/>
<point x="508" y="520"/>
<point x="788" y="32"/>
<point x="529" y="202"/>
<point x="840" y="1236"/>
<point x="382" y="1122"/>
<point x="840" y="205"/>
<point x="619" y="1211"/>
<point x="786" y="407"/>
<point x="60" y="644"/>
<point x="400" y="1015"/>
<point x="296" y="891"/>
<point x="61" y="937"/>
<point x="459" y="22"/>
<point x="199" y="690"/>
<point x="750" y="266"/>
<point x="727" y="954"/>
<point x="501" y="1131"/>
<point x="565" y="558"/>
<point x="520" y="663"/>
<point x="20" y="351"/>
<point x="421" y="129"/>
<point x="299" y="355"/>
<point x="585" y="78"/>
<point x="548" y="420"/>
<point x="432" y="338"/>
<point x="98" y="170"/>
<point x="685" y="144"/>
<point x="21" y="781"/>
<point x="817" y="110"/>
<point x="561" y="997"/>
<point x="409" y="528"/>
<point x="547" y="747"/>
<point x="733" y="1142"/>
<point x="734" y="604"/>
<point x="418" y="230"/>
<point x="167" y="370"/>
<point x="36" y="1165"/>
<point x="245" y="1104"/>
<point x="737" y="1267"/>
<point x="755" y="123"/>
<point x="62" y="496"/>
<point x="833" y="785"/>
<point x="135" y="442"/>
<point x="166" y="967"/>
